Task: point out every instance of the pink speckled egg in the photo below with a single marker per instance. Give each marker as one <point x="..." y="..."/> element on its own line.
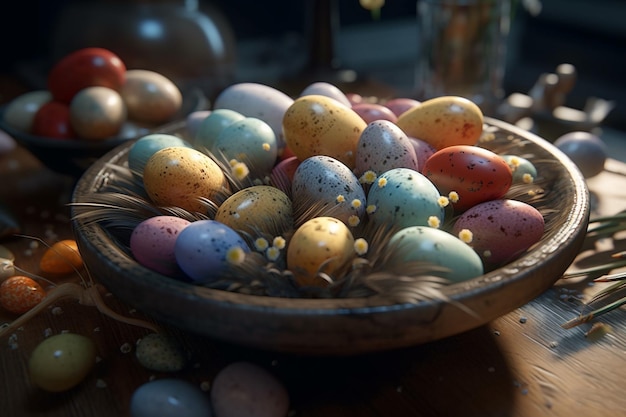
<point x="501" y="230"/>
<point x="152" y="243"/>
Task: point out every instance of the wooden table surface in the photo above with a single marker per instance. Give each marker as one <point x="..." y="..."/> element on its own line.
<point x="522" y="364"/>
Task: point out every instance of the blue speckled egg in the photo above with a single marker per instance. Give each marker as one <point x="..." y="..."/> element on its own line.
<point x="438" y="248"/>
<point x="251" y="141"/>
<point x="404" y="197"/>
<point x="330" y="187"/>
<point x="524" y="171"/>
<point x="148" y="145"/>
<point x="206" y="248"/>
<point x="210" y="128"/>
<point x="170" y="397"/>
<point x="383" y="146"/>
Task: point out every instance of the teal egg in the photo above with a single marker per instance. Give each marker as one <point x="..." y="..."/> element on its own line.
<point x="524" y="172"/>
<point x="438" y="248"/>
<point x="404" y="197"/>
<point x="148" y="145"/>
<point x="209" y="129"/>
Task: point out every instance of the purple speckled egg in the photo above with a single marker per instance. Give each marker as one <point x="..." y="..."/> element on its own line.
<point x="501" y="230"/>
<point x="152" y="243"/>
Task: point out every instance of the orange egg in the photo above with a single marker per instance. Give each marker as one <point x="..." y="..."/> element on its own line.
<point x="19" y="294"/>
<point x="61" y="258"/>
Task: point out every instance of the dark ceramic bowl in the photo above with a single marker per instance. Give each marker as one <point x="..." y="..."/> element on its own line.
<point x="73" y="156"/>
<point x="353" y="325"/>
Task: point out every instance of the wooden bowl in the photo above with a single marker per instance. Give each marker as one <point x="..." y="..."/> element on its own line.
<point x="353" y="325"/>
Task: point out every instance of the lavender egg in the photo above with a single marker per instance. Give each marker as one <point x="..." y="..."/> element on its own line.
<point x="331" y="186"/>
<point x="207" y="248"/>
<point x="384" y="146"/>
<point x="501" y="229"/>
<point x="152" y="243"/>
<point x="323" y="88"/>
<point x="404" y="197"/>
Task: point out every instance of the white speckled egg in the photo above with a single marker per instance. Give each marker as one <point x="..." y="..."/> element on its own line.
<point x="330" y="186"/>
<point x="20" y="111"/>
<point x="501" y="229"/>
<point x="181" y="177"/>
<point x="258" y="209"/>
<point x="319" y="125"/>
<point x="97" y="113"/>
<point x="251" y="141"/>
<point x="243" y="389"/>
<point x="383" y="146"/>
<point x="322" y="243"/>
<point x="170" y="397"/>
<point x="257" y="100"/>
<point x="438" y="248"/>
<point x="404" y="197"/>
<point x="148" y="145"/>
<point x="207" y="248"/>
<point x="152" y="243"/>
<point x="323" y="88"/>
<point x="150" y="96"/>
<point x="212" y="125"/>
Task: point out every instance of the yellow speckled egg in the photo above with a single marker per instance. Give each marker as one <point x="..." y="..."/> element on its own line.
<point x="257" y="209"/>
<point x="181" y="176"/>
<point x="321" y="244"/>
<point x="444" y="121"/>
<point x="319" y="125"/>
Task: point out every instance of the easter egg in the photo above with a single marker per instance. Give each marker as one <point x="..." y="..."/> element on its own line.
<point x="324" y="186"/>
<point x="384" y="146"/>
<point x="182" y="177"/>
<point x="444" y="121"/>
<point x="243" y="389"/>
<point x="401" y="104"/>
<point x="319" y="125"/>
<point x="169" y="397"/>
<point x="152" y="243"/>
<point x="322" y="244"/>
<point x="146" y="146"/>
<point x="282" y="174"/>
<point x="97" y="113"/>
<point x="210" y="128"/>
<point x="193" y="122"/>
<point x="371" y="112"/>
<point x="404" y="197"/>
<point x="150" y="97"/>
<point x="501" y="229"/>
<point x="475" y="174"/>
<point x="18" y="294"/>
<point x="62" y="361"/>
<point x="327" y="89"/>
<point x="524" y="171"/>
<point x="87" y="67"/>
<point x="52" y="120"/>
<point x="585" y="149"/>
<point x="20" y="111"/>
<point x="423" y="151"/>
<point x="251" y="141"/>
<point x="258" y="210"/>
<point x="61" y="258"/>
<point x="450" y="257"/>
<point x="160" y="352"/>
<point x="207" y="248"/>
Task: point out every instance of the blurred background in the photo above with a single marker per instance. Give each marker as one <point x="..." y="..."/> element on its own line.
<point x="270" y="41"/>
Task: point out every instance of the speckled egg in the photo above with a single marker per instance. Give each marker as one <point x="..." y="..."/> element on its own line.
<point x="423" y="151"/>
<point x="148" y="145"/>
<point x="451" y="258"/>
<point x="251" y="141"/>
<point x="400" y="105"/>
<point x="324" y="186"/>
<point x="243" y="389"/>
<point x="524" y="171"/>
<point x="384" y="146"/>
<point x="150" y="96"/>
<point x="327" y="89"/>
<point x="97" y="113"/>
<point x="260" y="209"/>
<point x="404" y="197"/>
<point x="170" y="397"/>
<point x="322" y="243"/>
<point x="501" y="229"/>
<point x="20" y="111"/>
<point x="212" y="125"/>
<point x="370" y="112"/>
<point x="444" y="121"/>
<point x="473" y="173"/>
<point x="152" y="243"/>
<point x="181" y="177"/>
<point x="206" y="248"/>
<point x="161" y="353"/>
<point x="319" y="125"/>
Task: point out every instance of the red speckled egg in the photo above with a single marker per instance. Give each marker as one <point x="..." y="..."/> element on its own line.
<point x="475" y="174"/>
<point x="501" y="229"/>
<point x="19" y="294"/>
<point x="83" y="68"/>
